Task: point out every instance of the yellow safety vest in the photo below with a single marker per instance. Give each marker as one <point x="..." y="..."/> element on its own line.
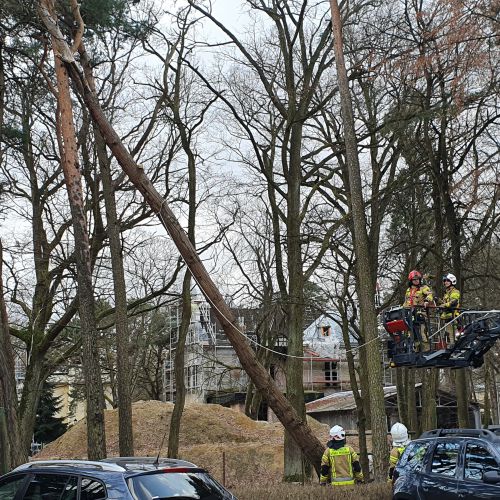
<point x="340" y="461"/>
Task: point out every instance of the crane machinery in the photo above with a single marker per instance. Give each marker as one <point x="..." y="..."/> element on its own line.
<point x="417" y="339"/>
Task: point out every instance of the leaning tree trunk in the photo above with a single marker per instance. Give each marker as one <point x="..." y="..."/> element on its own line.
<point x="364" y="272"/>
<point x="96" y="440"/>
<point x="291" y="420"/>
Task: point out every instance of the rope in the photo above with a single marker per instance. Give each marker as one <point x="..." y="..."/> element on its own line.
<point x="310" y="358"/>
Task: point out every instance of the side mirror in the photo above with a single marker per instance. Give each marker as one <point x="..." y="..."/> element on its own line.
<point x="491" y="477"/>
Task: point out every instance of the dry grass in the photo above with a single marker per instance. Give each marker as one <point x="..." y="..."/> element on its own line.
<point x="253" y="451"/>
<point x="372" y="491"/>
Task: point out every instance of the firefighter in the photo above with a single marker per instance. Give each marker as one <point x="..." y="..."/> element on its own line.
<point x="400" y="440"/>
<point x="418" y="295"/>
<point x="340" y="463"/>
<point x="450" y="304"/>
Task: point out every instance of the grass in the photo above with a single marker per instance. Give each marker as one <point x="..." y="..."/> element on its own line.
<point x="371" y="491"/>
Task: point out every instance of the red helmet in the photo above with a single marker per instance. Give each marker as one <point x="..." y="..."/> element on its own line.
<point x="414" y="275"/>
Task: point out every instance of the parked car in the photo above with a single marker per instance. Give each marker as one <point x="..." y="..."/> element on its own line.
<point x="115" y="478"/>
<point x="449" y="464"/>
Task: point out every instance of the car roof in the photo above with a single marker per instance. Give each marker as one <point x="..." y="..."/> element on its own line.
<point x="142" y="464"/>
<point x="489" y="435"/>
<point x="84" y="465"/>
<point x="120" y="465"/>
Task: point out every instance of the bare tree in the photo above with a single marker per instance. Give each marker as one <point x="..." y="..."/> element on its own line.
<point x="364" y="272"/>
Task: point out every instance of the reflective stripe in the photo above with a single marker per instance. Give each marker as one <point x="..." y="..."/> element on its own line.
<point x="346" y="482"/>
<point x="345" y="451"/>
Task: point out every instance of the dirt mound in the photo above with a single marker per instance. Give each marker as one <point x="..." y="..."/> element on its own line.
<point x="210" y="435"/>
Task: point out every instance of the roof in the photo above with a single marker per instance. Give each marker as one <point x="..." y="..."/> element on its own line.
<point x="327" y="346"/>
<point x="342" y="401"/>
<point x="116" y="464"/>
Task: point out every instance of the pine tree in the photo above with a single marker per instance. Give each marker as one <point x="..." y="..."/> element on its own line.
<point x="48" y="427"/>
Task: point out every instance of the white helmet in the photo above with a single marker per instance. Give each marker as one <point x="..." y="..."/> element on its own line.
<point x="450" y="277"/>
<point x="337" y="433"/>
<point x="399" y="434"/>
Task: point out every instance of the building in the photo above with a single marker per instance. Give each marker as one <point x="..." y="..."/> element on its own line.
<point x="213" y="372"/>
<point x="340" y="408"/>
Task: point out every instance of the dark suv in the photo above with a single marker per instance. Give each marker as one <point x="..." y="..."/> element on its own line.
<point x="448" y="464"/>
<point x="117" y="478"/>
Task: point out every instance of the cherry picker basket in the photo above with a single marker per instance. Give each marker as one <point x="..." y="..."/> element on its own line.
<point x="396" y="320"/>
<point x="418" y="342"/>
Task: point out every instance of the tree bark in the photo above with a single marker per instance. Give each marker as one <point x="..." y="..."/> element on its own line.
<point x="96" y="440"/>
<point x="402" y="395"/>
<point x="364" y="272"/>
<point x="412" y="403"/>
<point x="180" y="386"/>
<point x="14" y="453"/>
<point x="462" y="392"/>
<point x="430" y="379"/>
<point x="360" y="407"/>
<point x="123" y="371"/>
<point x="294" y="462"/>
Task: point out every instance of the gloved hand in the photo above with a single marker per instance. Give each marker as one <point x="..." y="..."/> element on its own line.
<point x="322" y="484"/>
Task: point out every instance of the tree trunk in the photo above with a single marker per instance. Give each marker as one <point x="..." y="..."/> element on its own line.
<point x="462" y="393"/>
<point x="33" y="382"/>
<point x="364" y="272"/>
<point x="96" y="440"/>
<point x="180" y="386"/>
<point x="294" y="463"/>
<point x="180" y="392"/>
<point x="486" y="420"/>
<point x="123" y="369"/>
<point x="412" y="404"/>
<point x="430" y="379"/>
<point x="493" y="388"/>
<point x="360" y="407"/>
<point x="123" y="372"/>
<point x="402" y="395"/>
<point x="14" y="453"/>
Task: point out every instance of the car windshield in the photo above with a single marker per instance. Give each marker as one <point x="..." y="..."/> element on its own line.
<point x="163" y="485"/>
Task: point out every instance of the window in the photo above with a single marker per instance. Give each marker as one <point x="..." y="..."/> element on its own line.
<point x="193" y="376"/>
<point x="331" y="374"/>
<point x="9" y="486"/>
<point x="413" y="456"/>
<point x="49" y="486"/>
<point x="478" y="460"/>
<point x="171" y="484"/>
<point x="326" y="330"/>
<point x="91" y="489"/>
<point x="444" y="460"/>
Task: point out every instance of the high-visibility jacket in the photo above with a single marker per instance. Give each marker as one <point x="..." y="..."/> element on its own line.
<point x="341" y="465"/>
<point x="417" y="295"/>
<point x="394" y="456"/>
<point x="450" y="303"/>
